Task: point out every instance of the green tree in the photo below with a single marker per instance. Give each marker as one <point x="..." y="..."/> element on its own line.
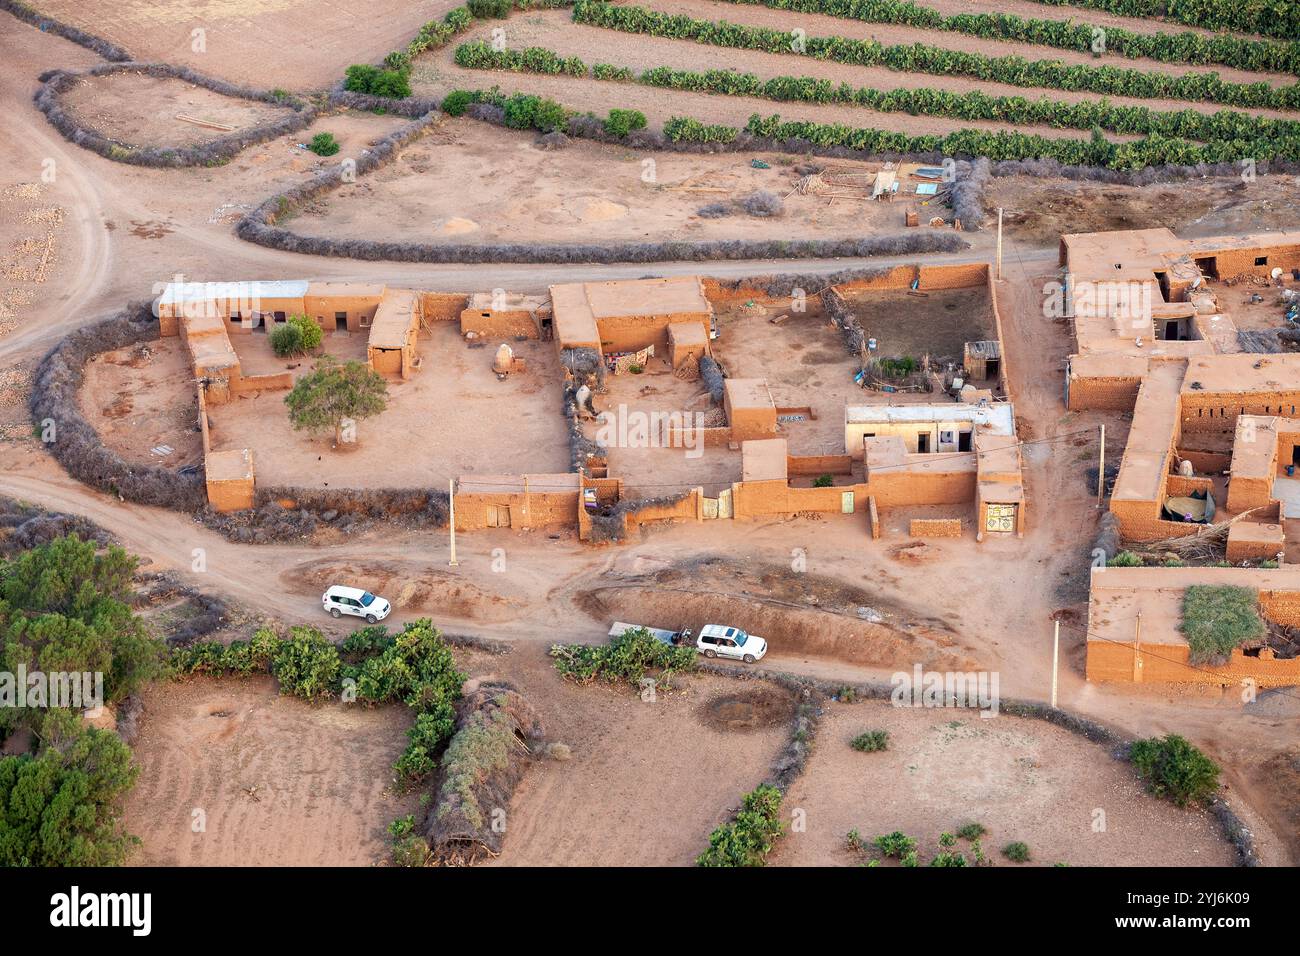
<point x="62" y="807"/>
<point x="311" y="334"/>
<point x="334" y="393"/>
<point x="286" y="339"/>
<point x="1174" y="769"/>
<point x="323" y="144"/>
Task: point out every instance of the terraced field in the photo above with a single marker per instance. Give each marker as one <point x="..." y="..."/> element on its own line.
<point x="989" y="83"/>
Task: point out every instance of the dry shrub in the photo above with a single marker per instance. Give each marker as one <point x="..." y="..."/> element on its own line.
<point x="212" y="153"/>
<point x="712" y="377"/>
<point x="481" y="768"/>
<point x="850" y="329"/>
<point x="967" y="192"/>
<point x="552" y="141"/>
<point x="714" y="210"/>
<point x="610" y="524"/>
<point x="23" y="527"/>
<point x="76" y="445"/>
<point x="762" y="204"/>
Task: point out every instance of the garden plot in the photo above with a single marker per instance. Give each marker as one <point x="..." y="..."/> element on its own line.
<point x="937" y="323"/>
<point x="452" y="418"/>
<point x="1024" y="780"/>
<point x="587" y="193"/>
<point x="294" y="44"/>
<point x="138" y="110"/>
<point x="279" y="781"/>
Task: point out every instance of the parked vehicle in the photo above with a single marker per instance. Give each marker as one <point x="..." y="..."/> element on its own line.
<point x="676" y="638"/>
<point x="340" y="600"/>
<point x="718" y="640"/>
<point x="715" y="640"/>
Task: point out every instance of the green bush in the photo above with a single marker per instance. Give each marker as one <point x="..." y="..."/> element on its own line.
<point x="624" y="659"/>
<point x="622" y="122"/>
<point x="1016" y="852"/>
<point x="944" y="61"/>
<point x="1174" y="769"/>
<point x="607" y="71"/>
<point x="1184" y="47"/>
<point x="1125" y="559"/>
<point x="871" y="741"/>
<point x="310" y="333"/>
<point x="897" y="844"/>
<point x="371" y="80"/>
<point x="365" y="642"/>
<point x="323" y="144"/>
<point x="949" y="859"/>
<point x="971" y="831"/>
<point x="407" y="846"/>
<point x="685" y="129"/>
<point x="824" y="481"/>
<point x="286" y="339"/>
<point x="747" y="840"/>
<point x="490" y="9"/>
<point x="1217" y="618"/>
<point x="456" y="102"/>
<point x="306" y="665"/>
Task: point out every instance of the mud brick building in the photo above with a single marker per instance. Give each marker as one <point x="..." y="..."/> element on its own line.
<point x="1134" y="618"/>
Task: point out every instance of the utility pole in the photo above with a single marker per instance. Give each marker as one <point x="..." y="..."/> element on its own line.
<point x="999" y="242"/>
<point x="1056" y="657"/>
<point x="1101" y="467"/>
<point x="451" y="518"/>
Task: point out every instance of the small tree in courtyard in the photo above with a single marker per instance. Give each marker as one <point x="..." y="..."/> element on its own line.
<point x="336" y="393"/>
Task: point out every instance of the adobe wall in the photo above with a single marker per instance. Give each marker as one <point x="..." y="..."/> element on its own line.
<point x="386" y="361"/>
<point x="360" y="310"/>
<point x="631" y="333"/>
<point x="272" y="381"/>
<point x="897" y="488"/>
<point x="541" y="510"/>
<point x="981" y="520"/>
<point x="443" y="306"/>
<point x="1161" y="663"/>
<point x="499" y="325"/>
<point x="1254" y="547"/>
<point x="814" y="466"/>
<point x="687" y="508"/>
<point x="1241" y="262"/>
<point x="1245" y="493"/>
<point x="935" y="528"/>
<point x="1111" y="394"/>
<point x="1203" y="412"/>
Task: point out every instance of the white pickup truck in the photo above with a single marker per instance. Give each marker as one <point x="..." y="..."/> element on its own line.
<point x="715" y="640"/>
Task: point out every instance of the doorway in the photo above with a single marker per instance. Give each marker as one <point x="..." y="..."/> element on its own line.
<point x="923" y="443"/>
<point x="498" y="516"/>
<point x="340" y="321"/>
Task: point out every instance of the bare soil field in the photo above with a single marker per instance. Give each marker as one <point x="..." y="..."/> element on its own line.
<point x="142" y="402"/>
<point x="1041" y="210"/>
<point x="1023" y="780"/>
<point x="452" y="418"/>
<point x="648" y="780"/>
<point x="298" y="45"/>
<point x="139" y="110"/>
<point x="274" y="780"/>
<point x="938" y="324"/>
<point x="508" y="190"/>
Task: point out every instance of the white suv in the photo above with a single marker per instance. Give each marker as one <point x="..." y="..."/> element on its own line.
<point x="718" y="640"/>
<point x="340" y="600"/>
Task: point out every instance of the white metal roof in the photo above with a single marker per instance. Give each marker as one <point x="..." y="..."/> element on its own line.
<point x="253" y="290"/>
<point x="998" y="417"/>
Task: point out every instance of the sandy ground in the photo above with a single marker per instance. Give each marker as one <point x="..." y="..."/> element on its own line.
<point x="273" y="780"/>
<point x="452" y="418"/>
<point x="141" y="403"/>
<point x="295" y="44"/>
<point x="1024" y="780"/>
<point x="585" y="193"/>
<point x="139" y="110"/>
<point x="647" y="782"/>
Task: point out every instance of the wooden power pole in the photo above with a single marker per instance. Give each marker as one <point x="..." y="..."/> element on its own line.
<point x="451" y="518"/>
